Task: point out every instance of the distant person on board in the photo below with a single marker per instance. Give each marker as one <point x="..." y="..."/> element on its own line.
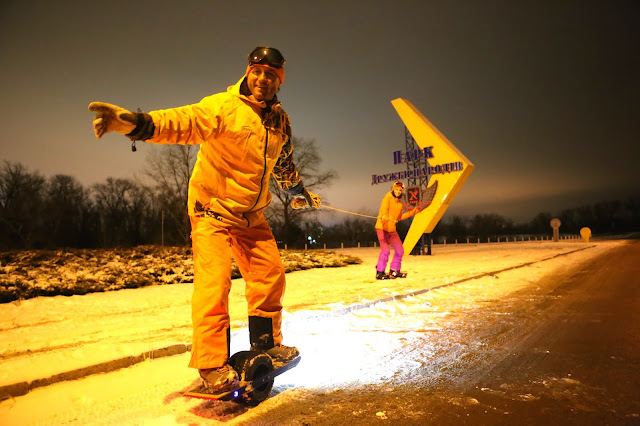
<point x="390" y="214"/>
<point x="245" y="138"/>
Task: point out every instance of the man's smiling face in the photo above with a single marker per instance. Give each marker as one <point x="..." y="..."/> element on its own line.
<point x="263" y="82"/>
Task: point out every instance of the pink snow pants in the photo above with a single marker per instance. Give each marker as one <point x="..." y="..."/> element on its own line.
<point x="389" y="239"/>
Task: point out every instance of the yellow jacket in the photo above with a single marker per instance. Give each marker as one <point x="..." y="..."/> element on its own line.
<point x="391" y="213"/>
<point x="242" y="142"/>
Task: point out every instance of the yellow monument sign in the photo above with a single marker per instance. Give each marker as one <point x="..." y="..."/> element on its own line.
<point x="448" y="169"/>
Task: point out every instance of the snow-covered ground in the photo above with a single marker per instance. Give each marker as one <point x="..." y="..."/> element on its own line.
<point x="326" y="311"/>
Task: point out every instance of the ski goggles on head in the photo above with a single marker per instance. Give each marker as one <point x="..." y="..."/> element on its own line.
<point x="398" y="184"/>
<point x="266" y="56"/>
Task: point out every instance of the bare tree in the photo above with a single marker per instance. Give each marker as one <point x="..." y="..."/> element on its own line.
<point x="66" y="205"/>
<point x="124" y="207"/>
<point x="358" y="230"/>
<point x="169" y="168"/>
<point x="21" y="194"/>
<point x="285" y="220"/>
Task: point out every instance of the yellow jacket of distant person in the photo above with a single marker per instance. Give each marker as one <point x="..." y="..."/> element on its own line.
<point x="391" y="213"/>
<point x="242" y="141"/>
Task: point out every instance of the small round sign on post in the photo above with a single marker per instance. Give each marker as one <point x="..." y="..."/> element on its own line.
<point x="585" y="233"/>
<point x="555" y="224"/>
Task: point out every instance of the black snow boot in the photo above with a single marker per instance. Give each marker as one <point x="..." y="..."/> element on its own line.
<point x="261" y="338"/>
<point x="282" y="353"/>
<point x="381" y="275"/>
<point x="397" y="274"/>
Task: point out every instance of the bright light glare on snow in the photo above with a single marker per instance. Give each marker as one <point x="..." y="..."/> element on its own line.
<point x="338" y="350"/>
<point x="358" y="347"/>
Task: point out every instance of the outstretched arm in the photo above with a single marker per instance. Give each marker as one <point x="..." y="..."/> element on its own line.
<point x="411" y="213"/>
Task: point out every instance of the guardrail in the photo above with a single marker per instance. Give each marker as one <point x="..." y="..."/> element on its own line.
<point x="439" y="241"/>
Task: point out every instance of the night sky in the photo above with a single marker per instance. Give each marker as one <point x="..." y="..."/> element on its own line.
<point x="541" y="96"/>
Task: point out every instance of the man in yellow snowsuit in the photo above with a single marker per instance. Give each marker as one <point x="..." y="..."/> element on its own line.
<point x="245" y="138"/>
<point x="391" y="213"/>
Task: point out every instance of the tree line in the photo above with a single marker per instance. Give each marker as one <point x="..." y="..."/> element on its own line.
<point x="38" y="212"/>
<point x="602" y="218"/>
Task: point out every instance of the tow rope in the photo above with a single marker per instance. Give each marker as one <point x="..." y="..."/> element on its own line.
<point x="346" y="211"/>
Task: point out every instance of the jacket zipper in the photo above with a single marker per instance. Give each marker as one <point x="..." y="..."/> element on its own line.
<point x="264" y="170"/>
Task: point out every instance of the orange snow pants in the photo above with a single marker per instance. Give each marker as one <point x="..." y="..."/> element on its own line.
<point x="258" y="260"/>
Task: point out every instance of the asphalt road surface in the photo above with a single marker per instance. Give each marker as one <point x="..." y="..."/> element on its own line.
<point x="565" y="350"/>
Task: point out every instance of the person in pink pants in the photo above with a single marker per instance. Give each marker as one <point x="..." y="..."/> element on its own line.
<point x="390" y="214"/>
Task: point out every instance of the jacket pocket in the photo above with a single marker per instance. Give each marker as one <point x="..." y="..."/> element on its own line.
<point x="243" y="136"/>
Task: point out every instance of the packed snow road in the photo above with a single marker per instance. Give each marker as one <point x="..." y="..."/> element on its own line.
<point x="555" y="341"/>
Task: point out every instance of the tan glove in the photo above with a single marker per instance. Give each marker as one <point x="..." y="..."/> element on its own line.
<point x="112" y="118"/>
<point x="306" y="200"/>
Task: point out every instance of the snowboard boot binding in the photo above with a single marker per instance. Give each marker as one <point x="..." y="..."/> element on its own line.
<point x="261" y="337"/>
<point x="219" y="379"/>
<point x="397" y="274"/>
<point x="380" y="275"/>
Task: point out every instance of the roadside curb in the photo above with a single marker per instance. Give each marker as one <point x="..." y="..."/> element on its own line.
<point x="22" y="388"/>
